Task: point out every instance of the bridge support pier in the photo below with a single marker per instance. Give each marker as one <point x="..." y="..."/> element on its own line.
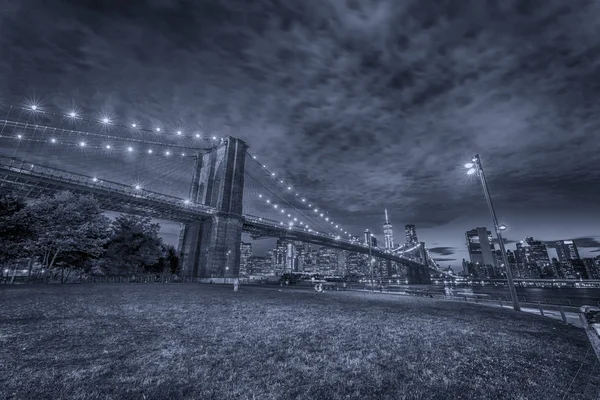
<point x="210" y="249"/>
<point x="418" y="275"/>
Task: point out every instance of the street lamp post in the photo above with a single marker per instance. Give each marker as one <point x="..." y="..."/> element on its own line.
<point x="370" y="260"/>
<point x="476" y="167"/>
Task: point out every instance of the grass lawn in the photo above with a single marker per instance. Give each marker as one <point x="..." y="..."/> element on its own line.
<point x="190" y="341"/>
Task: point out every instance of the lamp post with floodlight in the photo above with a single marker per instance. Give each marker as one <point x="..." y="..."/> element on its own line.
<point x="475" y="167"/>
<point x="370" y="239"/>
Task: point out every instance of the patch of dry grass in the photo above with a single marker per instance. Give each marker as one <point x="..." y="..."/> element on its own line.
<point x="207" y="342"/>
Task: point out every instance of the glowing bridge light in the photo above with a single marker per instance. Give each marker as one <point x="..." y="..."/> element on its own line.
<point x="272" y="173"/>
<point x="81" y="144"/>
<point x="281" y="182"/>
<point x="137" y="187"/>
<point x="320" y="215"/>
<point x="471" y="171"/>
<point x="186" y="201"/>
<point x="469" y="165"/>
<point x="130" y="149"/>
<point x="150" y="151"/>
<point x="268" y="201"/>
<point x="134" y="125"/>
<point x="260" y="195"/>
<point x="107" y="147"/>
<point x="179" y="132"/>
<point x="20" y="136"/>
<point x="182" y="154"/>
<point x="281" y="223"/>
<point x="282" y="211"/>
<point x="73" y="114"/>
<point x="289" y="188"/>
<point x="52" y="140"/>
<point x="34" y="107"/>
<point x="303" y="200"/>
<point x="167" y="153"/>
<point x="289" y="216"/>
<point x="157" y="129"/>
<point x="275" y="205"/>
<point x="95" y="179"/>
<point x="254" y="157"/>
<point x="326" y="219"/>
<point x="336" y="226"/>
<point x="197" y="135"/>
<point x="215" y="138"/>
<point x="316" y="210"/>
<point x="105" y="120"/>
<point x="295" y="219"/>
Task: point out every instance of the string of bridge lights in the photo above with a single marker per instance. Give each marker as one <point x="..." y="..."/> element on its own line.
<point x="108" y="121"/>
<point x="82" y="144"/>
<point x="303" y="199"/>
<point x="45" y="129"/>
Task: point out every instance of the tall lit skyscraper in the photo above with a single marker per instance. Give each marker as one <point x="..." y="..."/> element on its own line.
<point x="388" y="234"/>
<point x="532" y="252"/>
<point x="411" y="234"/>
<point x="367" y="236"/>
<point x="567" y="250"/>
<point x="481" y="246"/>
<point x="245" y="254"/>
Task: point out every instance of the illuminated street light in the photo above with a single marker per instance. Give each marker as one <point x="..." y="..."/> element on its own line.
<point x="476" y="168"/>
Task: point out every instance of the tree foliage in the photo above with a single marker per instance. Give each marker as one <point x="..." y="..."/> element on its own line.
<point x="69" y="226"/>
<point x="135" y="245"/>
<point x="15" y="228"/>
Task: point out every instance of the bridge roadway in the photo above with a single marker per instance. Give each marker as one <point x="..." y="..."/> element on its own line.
<point x="35" y="180"/>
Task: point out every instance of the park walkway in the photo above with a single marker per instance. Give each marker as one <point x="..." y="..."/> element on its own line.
<point x="549" y="310"/>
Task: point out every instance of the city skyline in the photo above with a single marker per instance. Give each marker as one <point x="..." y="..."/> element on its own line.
<point x="378" y="108"/>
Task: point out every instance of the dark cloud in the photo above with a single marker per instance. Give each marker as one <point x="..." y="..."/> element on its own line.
<point x="364" y="105"/>
<point x="444" y="259"/>
<point x="585" y="242"/>
<point x="443" y="251"/>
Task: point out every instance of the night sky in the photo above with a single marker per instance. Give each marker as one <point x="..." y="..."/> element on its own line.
<point x="365" y="105"/>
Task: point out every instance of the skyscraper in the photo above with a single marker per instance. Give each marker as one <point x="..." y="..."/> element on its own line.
<point x="481" y="246"/>
<point x="566" y="250"/>
<point x="367" y="236"/>
<point x="411" y="234"/>
<point x="531" y="251"/>
<point x="388" y="234"/>
<point x="245" y="254"/>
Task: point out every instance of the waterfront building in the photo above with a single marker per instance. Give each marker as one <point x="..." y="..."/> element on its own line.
<point x="411" y="234"/>
<point x="480" y="245"/>
<point x="388" y="234"/>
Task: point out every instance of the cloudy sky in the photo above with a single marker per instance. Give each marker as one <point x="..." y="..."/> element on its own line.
<point x="363" y="104"/>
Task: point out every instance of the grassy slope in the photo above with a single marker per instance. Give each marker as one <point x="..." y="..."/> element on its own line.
<point x="203" y="342"/>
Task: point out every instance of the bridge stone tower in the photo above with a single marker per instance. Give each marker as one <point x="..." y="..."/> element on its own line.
<point x="210" y="249"/>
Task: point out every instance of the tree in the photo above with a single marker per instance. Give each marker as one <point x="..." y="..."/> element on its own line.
<point x="172" y="260"/>
<point x="15" y="228"/>
<point x="68" y="225"/>
<point x="134" y="246"/>
<point x="168" y="262"/>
